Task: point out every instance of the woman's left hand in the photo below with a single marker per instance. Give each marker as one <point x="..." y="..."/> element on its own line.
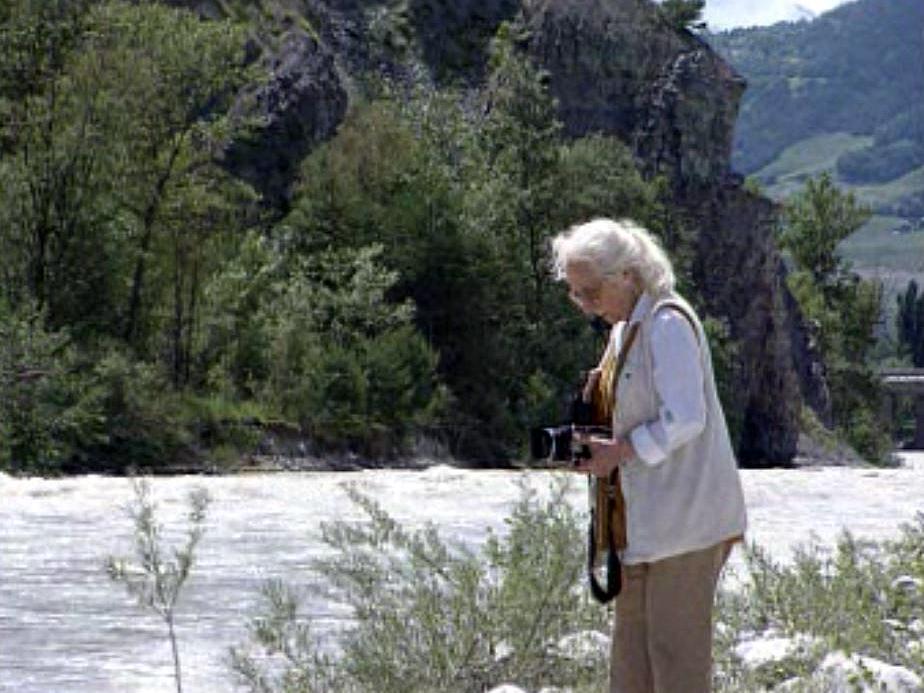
<point x="606" y="455"/>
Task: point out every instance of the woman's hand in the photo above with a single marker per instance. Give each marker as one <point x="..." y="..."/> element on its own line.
<point x="606" y="454"/>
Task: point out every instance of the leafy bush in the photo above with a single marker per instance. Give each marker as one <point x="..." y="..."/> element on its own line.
<point x="434" y="616"/>
<point x="66" y="409"/>
<point x="49" y="404"/>
<point x="156" y="579"/>
<point x="347" y="364"/>
<point x="431" y="616"/>
<point x="143" y="426"/>
<point x="226" y="427"/>
<point x="861" y="597"/>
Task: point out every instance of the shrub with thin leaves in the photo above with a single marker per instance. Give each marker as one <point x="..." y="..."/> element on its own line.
<point x="432" y="615"/>
<point x="860" y="597"/>
<point x="156" y="579"/>
<point x="283" y="654"/>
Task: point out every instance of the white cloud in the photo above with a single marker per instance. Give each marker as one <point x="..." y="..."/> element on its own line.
<point x="726" y="14"/>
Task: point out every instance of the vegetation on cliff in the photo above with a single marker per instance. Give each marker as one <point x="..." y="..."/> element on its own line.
<point x="152" y="310"/>
<point x="157" y="310"/>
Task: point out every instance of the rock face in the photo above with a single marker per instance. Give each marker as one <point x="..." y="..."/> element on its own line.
<point x="618" y="68"/>
<point x="299" y="106"/>
<point x="615" y="67"/>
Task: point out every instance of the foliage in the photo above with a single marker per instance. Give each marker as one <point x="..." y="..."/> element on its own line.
<point x="684" y="14"/>
<point x="345" y="363"/>
<point x="156" y="581"/>
<point x="64" y="407"/>
<point x="433" y="616"/>
<point x="816" y="221"/>
<point x="843" y="308"/>
<point x="142" y="416"/>
<point x="430" y="616"/>
<point x="844" y="72"/>
<point x="113" y="152"/>
<point x="857" y="597"/>
<point x="49" y="408"/>
<point x="463" y="206"/>
<point x="726" y="364"/>
<point x="283" y="654"/>
<point x="910" y="324"/>
<point x="404" y="291"/>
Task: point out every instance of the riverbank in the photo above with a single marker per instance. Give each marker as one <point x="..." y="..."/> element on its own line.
<point x="66" y="628"/>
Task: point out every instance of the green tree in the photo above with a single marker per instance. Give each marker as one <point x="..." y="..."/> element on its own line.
<point x="50" y="407"/>
<point x="115" y="212"/>
<point x="165" y="79"/>
<point x="910" y="323"/>
<point x="463" y="203"/>
<point x="684" y="14"/>
<point x="48" y="216"/>
<point x="526" y="185"/>
<point x="113" y="158"/>
<point x="339" y="358"/>
<point x="843" y="309"/>
<point x="817" y="220"/>
<point x="521" y="135"/>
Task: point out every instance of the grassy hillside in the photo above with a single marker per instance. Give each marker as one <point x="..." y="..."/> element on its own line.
<point x="839" y="94"/>
<point x="847" y="71"/>
<point x="805" y="159"/>
<point x="879" y="247"/>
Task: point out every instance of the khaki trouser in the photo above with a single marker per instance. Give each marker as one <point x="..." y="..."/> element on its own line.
<point x="662" y="634"/>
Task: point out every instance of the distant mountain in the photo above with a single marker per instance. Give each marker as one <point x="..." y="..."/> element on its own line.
<point x="803" y="12"/>
<point x="849" y="86"/>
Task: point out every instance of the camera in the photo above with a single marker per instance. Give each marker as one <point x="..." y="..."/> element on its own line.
<point x="553" y="443"/>
<point x="557" y="444"/>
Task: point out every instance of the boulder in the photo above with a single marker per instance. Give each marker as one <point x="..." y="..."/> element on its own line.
<point x="855" y="672"/>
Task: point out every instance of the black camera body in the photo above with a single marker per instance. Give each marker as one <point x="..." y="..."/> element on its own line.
<point x="556" y="443"/>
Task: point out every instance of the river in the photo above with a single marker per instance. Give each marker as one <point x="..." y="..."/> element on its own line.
<point x="65" y="628"/>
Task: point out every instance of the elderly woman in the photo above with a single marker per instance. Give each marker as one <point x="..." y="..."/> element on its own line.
<point x="670" y="448"/>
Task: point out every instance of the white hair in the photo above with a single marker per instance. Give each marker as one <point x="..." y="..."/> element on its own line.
<point x="612" y="247"/>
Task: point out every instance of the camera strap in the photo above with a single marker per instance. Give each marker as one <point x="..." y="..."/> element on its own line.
<point x="607" y="520"/>
<point x="613" y="567"/>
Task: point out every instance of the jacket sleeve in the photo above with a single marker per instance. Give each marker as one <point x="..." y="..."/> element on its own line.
<point x="679" y="384"/>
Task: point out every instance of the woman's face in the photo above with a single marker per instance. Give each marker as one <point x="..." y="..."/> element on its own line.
<point x="611" y="297"/>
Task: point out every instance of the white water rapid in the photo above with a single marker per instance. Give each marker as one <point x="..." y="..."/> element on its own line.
<point x="65" y="628"/>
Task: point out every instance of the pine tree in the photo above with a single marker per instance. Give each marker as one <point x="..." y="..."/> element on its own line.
<point x="910" y="323"/>
<point x="684" y="14"/>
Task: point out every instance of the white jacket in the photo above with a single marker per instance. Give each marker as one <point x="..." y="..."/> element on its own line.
<point x="683" y="491"/>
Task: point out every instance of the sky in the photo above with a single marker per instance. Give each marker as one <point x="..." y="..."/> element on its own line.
<point x="727" y="14"/>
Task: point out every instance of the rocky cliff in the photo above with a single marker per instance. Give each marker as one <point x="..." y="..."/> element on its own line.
<point x="615" y="67"/>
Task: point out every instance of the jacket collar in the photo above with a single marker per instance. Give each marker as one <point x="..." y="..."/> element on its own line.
<point x="642" y="307"/>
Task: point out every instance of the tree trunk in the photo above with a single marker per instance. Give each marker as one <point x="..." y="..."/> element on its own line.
<point x="177" y="312"/>
<point x="149" y="219"/>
